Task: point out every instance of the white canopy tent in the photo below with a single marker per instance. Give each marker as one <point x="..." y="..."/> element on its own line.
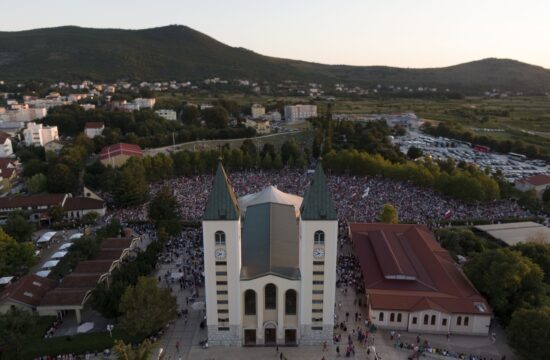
<point x="84" y="328"/>
<point x="6" y="280"/>
<point x="65" y="246"/>
<point x="46" y="237"/>
<point x="76" y="236"/>
<point x="50" y="264"/>
<point x="59" y="255"/>
<point x="43" y="273"/>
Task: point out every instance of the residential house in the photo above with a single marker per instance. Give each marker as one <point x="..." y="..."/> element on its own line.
<point x="539" y="183"/>
<point x="116" y="155"/>
<point x="93" y="129"/>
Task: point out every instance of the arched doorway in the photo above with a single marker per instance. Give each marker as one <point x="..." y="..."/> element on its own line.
<point x="270" y="333"/>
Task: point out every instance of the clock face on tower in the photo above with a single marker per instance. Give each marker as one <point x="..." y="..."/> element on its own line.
<point x="220" y="254"/>
<point x="318" y="253"/>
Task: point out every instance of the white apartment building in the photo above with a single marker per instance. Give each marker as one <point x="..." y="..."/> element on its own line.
<point x="144" y="103"/>
<point x="23" y="114"/>
<point x="270" y="265"/>
<point x="257" y="111"/>
<point x="39" y="135"/>
<point x="299" y="113"/>
<point x="167" y="114"/>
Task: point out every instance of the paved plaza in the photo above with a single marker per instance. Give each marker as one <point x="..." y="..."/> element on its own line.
<point x="188" y="334"/>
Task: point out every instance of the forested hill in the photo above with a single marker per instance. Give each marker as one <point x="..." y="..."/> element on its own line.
<point x="181" y="53"/>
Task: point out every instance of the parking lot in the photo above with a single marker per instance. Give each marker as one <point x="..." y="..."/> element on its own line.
<point x="513" y="167"/>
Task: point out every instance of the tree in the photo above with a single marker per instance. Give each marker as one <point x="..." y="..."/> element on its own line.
<point x="508" y="279"/>
<point x="546" y="195"/>
<point x="18" y="226"/>
<point x="142" y="352"/>
<point x="539" y="253"/>
<point x="388" y="215"/>
<point x="146" y="308"/>
<point x="34" y="166"/>
<point x="163" y="206"/>
<point x="37" y="183"/>
<point x="130" y="184"/>
<point x="216" y="117"/>
<point x="414" y="153"/>
<point x="267" y="162"/>
<point x="278" y="162"/>
<point x="15" y="258"/>
<point x="89" y="218"/>
<point x="190" y="115"/>
<point x="61" y="179"/>
<point x="15" y="327"/>
<point x="529" y="333"/>
<point x="56" y="213"/>
<point x="290" y="149"/>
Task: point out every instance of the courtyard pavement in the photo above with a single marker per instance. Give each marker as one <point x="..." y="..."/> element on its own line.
<point x="189" y="334"/>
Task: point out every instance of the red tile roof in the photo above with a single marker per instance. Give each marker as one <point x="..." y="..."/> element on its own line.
<point x="116" y="243"/>
<point x="404" y="268"/>
<point x="65" y="297"/>
<point x="94" y="125"/>
<point x="93" y="266"/>
<point x="536" y="180"/>
<point x="120" y="149"/>
<point x="30" y="289"/>
<point x="83" y="203"/>
<point x="7" y="167"/>
<point x="32" y="200"/>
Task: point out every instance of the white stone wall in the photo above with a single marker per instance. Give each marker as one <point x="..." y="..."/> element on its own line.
<point x="307" y="231"/>
<point x="233" y="259"/>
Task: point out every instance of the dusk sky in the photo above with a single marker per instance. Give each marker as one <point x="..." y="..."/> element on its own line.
<point x="406" y="33"/>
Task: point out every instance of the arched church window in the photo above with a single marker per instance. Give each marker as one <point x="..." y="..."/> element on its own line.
<point x="250" y="302"/>
<point x="220" y="238"/>
<point x="319" y="238"/>
<point x="290" y="302"/>
<point x="270" y="297"/>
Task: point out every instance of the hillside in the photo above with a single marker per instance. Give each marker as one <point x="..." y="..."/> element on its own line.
<point x="181" y="53"/>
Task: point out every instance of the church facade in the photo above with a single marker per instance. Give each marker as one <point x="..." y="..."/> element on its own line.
<point x="270" y="265"/>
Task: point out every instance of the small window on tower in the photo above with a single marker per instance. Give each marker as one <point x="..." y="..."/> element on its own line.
<point x="319" y="238"/>
<point x="220" y="238"/>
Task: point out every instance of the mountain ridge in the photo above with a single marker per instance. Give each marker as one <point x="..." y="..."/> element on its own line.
<point x="178" y="52"/>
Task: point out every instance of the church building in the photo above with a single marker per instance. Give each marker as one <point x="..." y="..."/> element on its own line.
<point x="270" y="264"/>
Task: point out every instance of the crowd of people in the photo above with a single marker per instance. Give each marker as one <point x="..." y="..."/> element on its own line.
<point x="356" y="198"/>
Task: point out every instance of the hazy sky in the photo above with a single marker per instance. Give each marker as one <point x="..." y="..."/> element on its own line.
<point x="407" y="33"/>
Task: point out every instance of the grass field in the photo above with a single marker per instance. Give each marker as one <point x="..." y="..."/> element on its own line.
<point x="521" y="118"/>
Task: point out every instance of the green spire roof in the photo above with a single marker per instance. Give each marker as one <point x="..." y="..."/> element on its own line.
<point x="317" y="204"/>
<point x="222" y="203"/>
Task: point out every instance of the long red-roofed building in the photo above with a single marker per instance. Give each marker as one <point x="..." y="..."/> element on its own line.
<point x="413" y="284"/>
<point x="116" y="155"/>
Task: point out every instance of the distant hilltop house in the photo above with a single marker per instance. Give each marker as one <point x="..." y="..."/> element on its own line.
<point x="93" y="129"/>
<point x="6" y="148"/>
<point x="257" y="111"/>
<point x="537" y="183"/>
<point x="262" y="126"/>
<point x="167" y="114"/>
<point x="299" y="113"/>
<point x="39" y="135"/>
<point x="134" y="105"/>
<point x="116" y="155"/>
